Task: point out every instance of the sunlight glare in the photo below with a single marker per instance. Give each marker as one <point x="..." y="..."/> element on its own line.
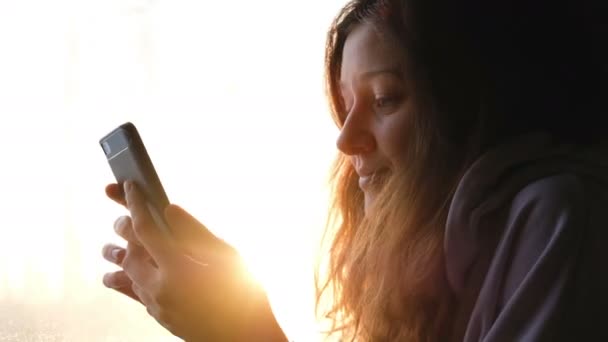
<point x="231" y="107"/>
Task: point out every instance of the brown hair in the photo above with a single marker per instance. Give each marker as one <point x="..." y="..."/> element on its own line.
<point x="386" y="268"/>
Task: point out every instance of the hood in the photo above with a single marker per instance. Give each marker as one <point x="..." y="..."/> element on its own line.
<point x="495" y="178"/>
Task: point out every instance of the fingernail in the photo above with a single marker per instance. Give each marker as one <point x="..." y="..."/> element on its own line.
<point x="117" y="254"/>
<point x="127" y="186"/>
<point x="118" y="224"/>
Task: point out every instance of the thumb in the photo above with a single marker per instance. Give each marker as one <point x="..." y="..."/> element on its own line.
<point x="188" y="231"/>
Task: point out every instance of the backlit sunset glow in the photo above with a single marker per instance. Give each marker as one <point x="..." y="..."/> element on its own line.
<point x="228" y="97"/>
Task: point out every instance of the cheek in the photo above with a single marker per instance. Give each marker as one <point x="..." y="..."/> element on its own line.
<point x="395" y="135"/>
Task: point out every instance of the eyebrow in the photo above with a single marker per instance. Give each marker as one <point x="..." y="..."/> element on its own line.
<point x="394" y="71"/>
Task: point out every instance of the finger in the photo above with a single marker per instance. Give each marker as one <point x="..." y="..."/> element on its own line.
<point x="116" y="280"/>
<point x="143" y="296"/>
<point x="123" y="226"/>
<point x="147" y="232"/>
<point x="120" y="282"/>
<point x="139" y="266"/>
<point x="140" y="252"/>
<point x="116" y="193"/>
<point x="114" y="254"/>
<point x="188" y="231"/>
<point x="127" y="291"/>
<point x="152" y="306"/>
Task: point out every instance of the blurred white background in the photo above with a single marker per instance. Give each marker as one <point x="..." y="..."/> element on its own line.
<point x="228" y="97"/>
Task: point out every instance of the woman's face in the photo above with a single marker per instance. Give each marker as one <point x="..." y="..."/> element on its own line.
<point x="377" y="106"/>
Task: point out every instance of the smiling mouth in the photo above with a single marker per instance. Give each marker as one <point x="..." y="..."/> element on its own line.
<point x="373" y="180"/>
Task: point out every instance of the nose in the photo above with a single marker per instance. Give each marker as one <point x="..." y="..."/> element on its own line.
<point x="356" y="136"/>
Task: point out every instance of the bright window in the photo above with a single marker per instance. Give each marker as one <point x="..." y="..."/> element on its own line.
<point x="228" y="97"/>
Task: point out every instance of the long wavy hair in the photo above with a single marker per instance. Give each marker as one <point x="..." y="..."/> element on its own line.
<point x="385" y="276"/>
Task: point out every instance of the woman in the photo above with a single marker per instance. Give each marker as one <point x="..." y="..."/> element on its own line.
<point x="468" y="194"/>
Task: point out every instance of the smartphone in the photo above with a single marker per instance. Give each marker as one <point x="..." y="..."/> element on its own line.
<point x="129" y="160"/>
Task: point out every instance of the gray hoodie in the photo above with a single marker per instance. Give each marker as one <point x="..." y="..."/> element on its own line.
<point x="526" y="244"/>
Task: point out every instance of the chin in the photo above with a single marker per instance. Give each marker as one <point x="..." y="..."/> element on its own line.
<point x="368" y="201"/>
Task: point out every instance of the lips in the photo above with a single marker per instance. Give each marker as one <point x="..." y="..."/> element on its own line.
<point x="371" y="180"/>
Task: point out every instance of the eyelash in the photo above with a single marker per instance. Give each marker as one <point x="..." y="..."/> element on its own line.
<point x="386" y="105"/>
<point x="383" y="101"/>
<point x="380" y="102"/>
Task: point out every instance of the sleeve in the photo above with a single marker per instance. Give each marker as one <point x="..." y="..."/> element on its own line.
<point x="531" y="287"/>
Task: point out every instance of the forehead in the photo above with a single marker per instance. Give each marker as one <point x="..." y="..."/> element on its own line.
<point x="367" y="48"/>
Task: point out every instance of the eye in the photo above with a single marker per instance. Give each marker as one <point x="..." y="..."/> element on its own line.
<point x="382" y="102"/>
<point x="385" y="104"/>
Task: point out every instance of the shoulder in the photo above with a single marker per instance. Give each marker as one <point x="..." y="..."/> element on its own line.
<point x="546" y="207"/>
<point x="549" y="202"/>
<point x="560" y="191"/>
<point x="535" y="288"/>
<point x="545" y="224"/>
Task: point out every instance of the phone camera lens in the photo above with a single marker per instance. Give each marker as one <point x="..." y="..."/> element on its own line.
<point x="106" y="148"/>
